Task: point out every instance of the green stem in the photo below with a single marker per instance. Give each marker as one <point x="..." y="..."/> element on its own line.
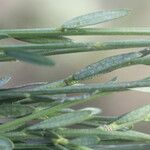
<point x="122" y="86"/>
<point x="51" y="32"/>
<point x="97" y="46"/>
<point x="63" y="48"/>
<point x="81" y="47"/>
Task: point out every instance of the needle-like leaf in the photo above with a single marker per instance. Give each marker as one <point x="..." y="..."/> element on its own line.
<point x="131" y="118"/>
<point x="38" y="115"/>
<point x="95" y="18"/>
<point x="111" y="63"/>
<point x="15" y="110"/>
<point x="86" y="140"/>
<point x="126" y="135"/>
<point x="44" y="40"/>
<point x="29" y="57"/>
<point x="65" y="119"/>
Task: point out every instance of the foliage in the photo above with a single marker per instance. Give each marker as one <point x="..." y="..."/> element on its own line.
<point x="39" y="115"/>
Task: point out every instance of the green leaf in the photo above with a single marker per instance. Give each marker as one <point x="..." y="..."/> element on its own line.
<point x="86" y="140"/>
<point x="131" y="118"/>
<point x="65" y="119"/>
<point x="53" y="32"/>
<point x="124" y="135"/>
<point x="95" y="18"/>
<point x="14" y="124"/>
<point x="29" y="57"/>
<point x="4" y="80"/>
<point x="44" y="40"/>
<point x="5" y="144"/>
<point x="108" y="64"/>
<point x="143" y="89"/>
<point x="15" y="110"/>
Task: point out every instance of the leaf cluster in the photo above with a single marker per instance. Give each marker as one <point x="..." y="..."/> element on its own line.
<point x="40" y="115"/>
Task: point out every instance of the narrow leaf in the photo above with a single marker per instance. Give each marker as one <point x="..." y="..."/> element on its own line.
<point x="44" y="40"/>
<point x="143" y="89"/>
<point x="108" y="64"/>
<point x="131" y="118"/>
<point x="95" y="18"/>
<point x="15" y="110"/>
<point x="51" y="32"/>
<point x="29" y="57"/>
<point x="86" y="140"/>
<point x="126" y="135"/>
<point x="64" y="120"/>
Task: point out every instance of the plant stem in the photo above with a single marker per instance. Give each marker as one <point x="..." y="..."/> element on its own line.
<point x="122" y="86"/>
<point x="70" y="47"/>
<point x="51" y="32"/>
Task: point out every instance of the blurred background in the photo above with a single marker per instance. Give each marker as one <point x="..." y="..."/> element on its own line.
<point x="52" y="13"/>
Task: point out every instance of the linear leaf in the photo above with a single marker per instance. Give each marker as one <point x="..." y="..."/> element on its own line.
<point x="64" y="120"/>
<point x="126" y="135"/>
<point x="143" y="89"/>
<point x="51" y="32"/>
<point x="15" y="110"/>
<point x="42" y="40"/>
<point x="86" y="140"/>
<point x="29" y="57"/>
<point x="60" y="98"/>
<point x="95" y="18"/>
<point x="131" y="118"/>
<point x="109" y="64"/>
<point x="12" y="125"/>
